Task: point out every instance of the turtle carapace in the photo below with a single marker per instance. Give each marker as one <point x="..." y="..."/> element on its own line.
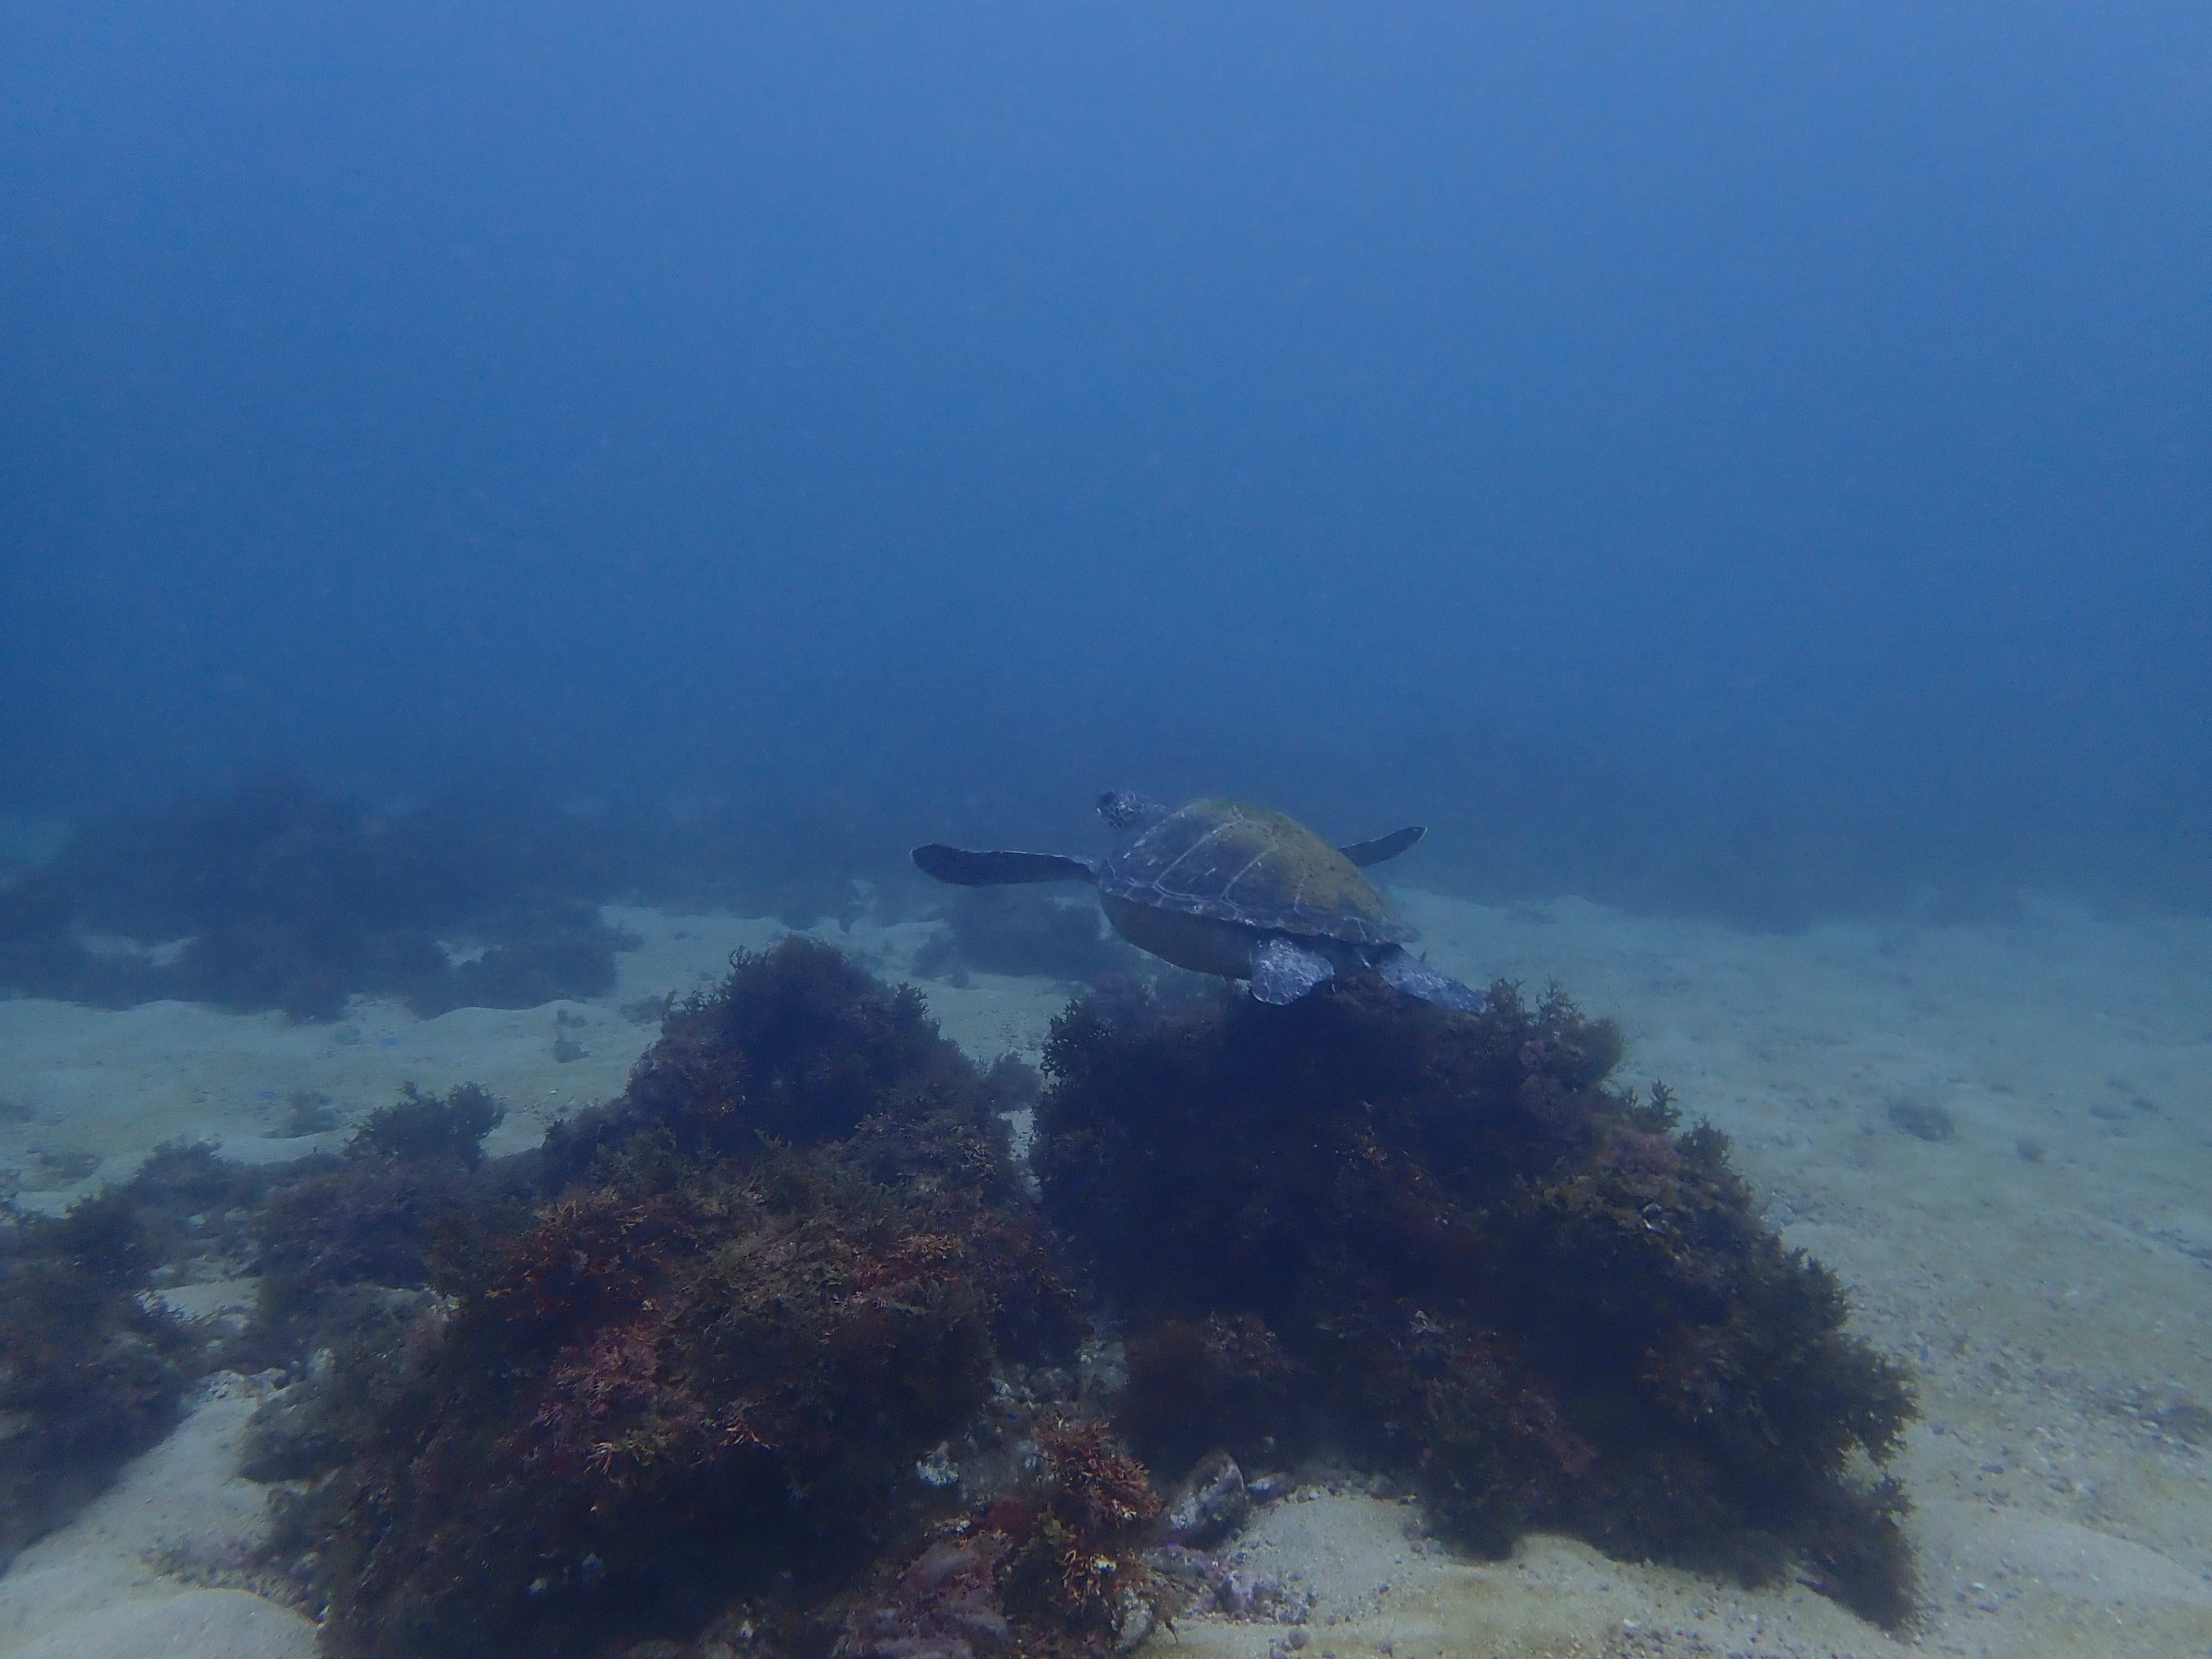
<point x="1224" y="887"/>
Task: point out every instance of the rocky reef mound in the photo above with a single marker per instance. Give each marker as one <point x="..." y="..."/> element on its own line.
<point x="785" y="1353"/>
<point x="704" y="1362"/>
<point x="1445" y="1245"/>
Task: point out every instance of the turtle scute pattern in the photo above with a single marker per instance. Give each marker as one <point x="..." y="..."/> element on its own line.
<point x="1236" y="862"/>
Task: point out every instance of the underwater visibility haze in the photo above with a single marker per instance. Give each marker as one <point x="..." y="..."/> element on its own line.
<point x="1627" y="1072"/>
<point x="1728" y="460"/>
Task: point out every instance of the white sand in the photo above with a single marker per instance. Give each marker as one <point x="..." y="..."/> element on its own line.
<point x="2054" y="1310"/>
<point x="93" y="1589"/>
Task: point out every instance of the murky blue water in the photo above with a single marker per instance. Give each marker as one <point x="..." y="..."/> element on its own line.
<point x="1742" y="476"/>
<point x="1747" y="460"/>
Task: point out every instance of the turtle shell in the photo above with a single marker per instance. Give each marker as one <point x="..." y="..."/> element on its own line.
<point x="1231" y="862"/>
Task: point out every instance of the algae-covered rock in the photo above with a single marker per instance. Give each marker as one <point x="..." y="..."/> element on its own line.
<point x="93" y="1368"/>
<point x="752" y="1295"/>
<point x="777" y="1353"/>
<point x="1484" y="1266"/>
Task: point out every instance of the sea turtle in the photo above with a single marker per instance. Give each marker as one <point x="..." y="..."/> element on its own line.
<point x="1223" y="887"/>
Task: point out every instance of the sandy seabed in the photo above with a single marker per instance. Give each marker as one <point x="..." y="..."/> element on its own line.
<point x="2047" y="1269"/>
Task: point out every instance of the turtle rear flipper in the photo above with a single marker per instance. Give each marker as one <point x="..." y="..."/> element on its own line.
<point x="1364" y="853"/>
<point x="1409" y="974"/>
<point x="964" y="868"/>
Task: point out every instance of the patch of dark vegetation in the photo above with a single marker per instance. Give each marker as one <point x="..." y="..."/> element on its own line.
<point x="419" y="1129"/>
<point x="558" y="947"/>
<point x="1532" y="1294"/>
<point x="1187" y="1378"/>
<point x="776" y="1352"/>
<point x="647" y="1011"/>
<point x="797" y="1044"/>
<point x="278" y="896"/>
<point x="340" y="1231"/>
<point x="1010" y="1084"/>
<point x="1921" y="1120"/>
<point x="92" y="1371"/>
<point x="346" y="1246"/>
<point x="702" y="1360"/>
<point x="1132" y="1004"/>
<point x="90" y="1377"/>
<point x="1058" y="1567"/>
<point x="307" y="1112"/>
<point x="93" y="1368"/>
<point x="196" y="1213"/>
<point x="1000" y="930"/>
<point x="2186" y="1420"/>
<point x="1071" y="1567"/>
<point x="55" y="1167"/>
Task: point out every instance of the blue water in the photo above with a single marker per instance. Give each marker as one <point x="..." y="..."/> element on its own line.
<point x="1754" y="460"/>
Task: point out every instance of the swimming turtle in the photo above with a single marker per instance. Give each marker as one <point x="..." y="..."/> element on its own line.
<point x="1223" y="887"/>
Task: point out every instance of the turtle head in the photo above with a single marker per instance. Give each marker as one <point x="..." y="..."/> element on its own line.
<point x="1125" y="809"/>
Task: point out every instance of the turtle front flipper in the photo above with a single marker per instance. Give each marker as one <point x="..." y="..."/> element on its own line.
<point x="1282" y="972"/>
<point x="1409" y="974"/>
<point x="1364" y="853"/>
<point x="963" y="868"/>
